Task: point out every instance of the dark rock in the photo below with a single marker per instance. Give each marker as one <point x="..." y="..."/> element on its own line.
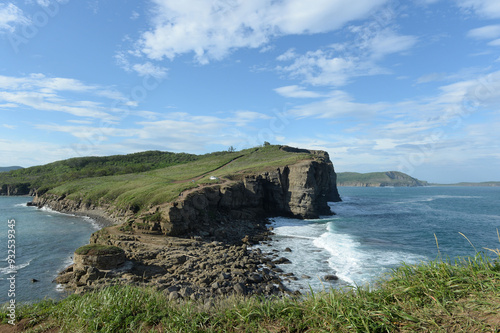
<point x="281" y="261"/>
<point x="34" y="280"/>
<point x="255" y="278"/>
<point x="330" y="277"/>
<point x="288" y="249"/>
<point x="174" y="295"/>
<point x="240" y="289"/>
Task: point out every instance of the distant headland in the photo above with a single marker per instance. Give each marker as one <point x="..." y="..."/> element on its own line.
<point x="378" y="179"/>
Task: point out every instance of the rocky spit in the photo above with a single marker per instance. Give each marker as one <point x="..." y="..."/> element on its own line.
<point x="198" y="266"/>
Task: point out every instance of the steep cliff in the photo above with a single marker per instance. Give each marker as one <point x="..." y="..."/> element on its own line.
<point x="299" y="190"/>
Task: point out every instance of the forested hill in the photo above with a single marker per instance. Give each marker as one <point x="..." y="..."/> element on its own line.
<point x="377" y="179"/>
<point x="10" y="168"/>
<point x="45" y="177"/>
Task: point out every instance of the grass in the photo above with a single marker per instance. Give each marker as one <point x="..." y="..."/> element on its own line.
<point x="98" y="249"/>
<point x="438" y="296"/>
<point x="140" y="191"/>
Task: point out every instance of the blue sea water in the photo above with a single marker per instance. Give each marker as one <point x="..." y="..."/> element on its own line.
<point x="44" y="244"/>
<point x="376" y="229"/>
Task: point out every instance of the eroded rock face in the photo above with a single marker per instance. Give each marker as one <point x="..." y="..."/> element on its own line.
<point x="301" y="190"/>
<point x="100" y="261"/>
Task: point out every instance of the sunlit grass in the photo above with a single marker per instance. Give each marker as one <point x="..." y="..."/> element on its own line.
<point x="439" y="296"/>
<point x="143" y="190"/>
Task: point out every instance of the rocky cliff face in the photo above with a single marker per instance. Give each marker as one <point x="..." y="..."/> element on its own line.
<point x="301" y="190"/>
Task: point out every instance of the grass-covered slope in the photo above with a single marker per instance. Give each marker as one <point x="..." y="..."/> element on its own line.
<point x="142" y="190"/>
<point x="389" y="178"/>
<point x="141" y="180"/>
<point x="46" y="177"/>
<point x="460" y="296"/>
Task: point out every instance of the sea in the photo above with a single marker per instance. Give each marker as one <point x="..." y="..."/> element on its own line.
<point x="374" y="231"/>
<point x="44" y="244"/>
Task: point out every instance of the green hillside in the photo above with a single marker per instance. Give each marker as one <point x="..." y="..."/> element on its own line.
<point x="377" y="179"/>
<point x="10" y="168"/>
<point x="138" y="181"/>
<point x="48" y="176"/>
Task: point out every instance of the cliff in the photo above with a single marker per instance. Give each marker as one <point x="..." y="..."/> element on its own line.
<point x="378" y="179"/>
<point x="300" y="190"/>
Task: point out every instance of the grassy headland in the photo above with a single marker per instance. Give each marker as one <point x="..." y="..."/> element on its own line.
<point x="459" y="296"/>
<point x="377" y="179"/>
<point x="141" y="180"/>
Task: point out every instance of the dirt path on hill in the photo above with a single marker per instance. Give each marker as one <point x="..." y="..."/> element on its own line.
<point x="206" y="173"/>
<point x="195" y="179"/>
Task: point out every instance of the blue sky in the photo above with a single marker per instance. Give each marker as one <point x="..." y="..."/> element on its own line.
<point x="381" y="85"/>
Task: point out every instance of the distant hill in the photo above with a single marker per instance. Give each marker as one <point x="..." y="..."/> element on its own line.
<point x="10" y="168"/>
<point x="470" y="184"/>
<point x="378" y="179"/>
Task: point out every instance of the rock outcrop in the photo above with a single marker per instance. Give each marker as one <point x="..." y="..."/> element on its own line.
<point x="301" y="190"/>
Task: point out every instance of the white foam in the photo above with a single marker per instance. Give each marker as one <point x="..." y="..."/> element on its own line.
<point x="92" y="221"/>
<point x="319" y="250"/>
<point x="355" y="264"/>
<point x="17" y="268"/>
<point x="52" y="211"/>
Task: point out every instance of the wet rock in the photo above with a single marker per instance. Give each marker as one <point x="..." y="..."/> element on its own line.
<point x="281" y="261"/>
<point x="330" y="277"/>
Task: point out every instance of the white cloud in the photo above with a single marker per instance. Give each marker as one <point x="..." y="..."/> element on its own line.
<point x="295" y="91"/>
<point x="486" y="32"/>
<point x="10" y="16"/>
<point x="148" y="69"/>
<point x="43" y="3"/>
<point x="337" y="104"/>
<point x="340" y="62"/>
<point x="388" y="42"/>
<point x="495" y="42"/>
<point x="486" y="8"/>
<point x="211" y="30"/>
<point x="38" y="92"/>
<point x="135" y="15"/>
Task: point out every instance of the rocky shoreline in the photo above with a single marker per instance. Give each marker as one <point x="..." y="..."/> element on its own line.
<point x="198" y="266"/>
<point x="199" y="245"/>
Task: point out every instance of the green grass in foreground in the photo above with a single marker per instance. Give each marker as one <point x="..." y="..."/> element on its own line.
<point x="459" y="296"/>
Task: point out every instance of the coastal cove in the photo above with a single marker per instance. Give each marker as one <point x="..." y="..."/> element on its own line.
<point x="375" y="229"/>
<point x="45" y="242"/>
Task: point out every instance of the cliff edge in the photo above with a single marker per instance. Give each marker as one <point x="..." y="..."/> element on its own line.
<point x="301" y="189"/>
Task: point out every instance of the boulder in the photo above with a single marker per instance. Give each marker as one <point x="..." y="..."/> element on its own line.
<point x="104" y="257"/>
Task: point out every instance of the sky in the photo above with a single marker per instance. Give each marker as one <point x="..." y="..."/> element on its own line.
<point x="411" y="86"/>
